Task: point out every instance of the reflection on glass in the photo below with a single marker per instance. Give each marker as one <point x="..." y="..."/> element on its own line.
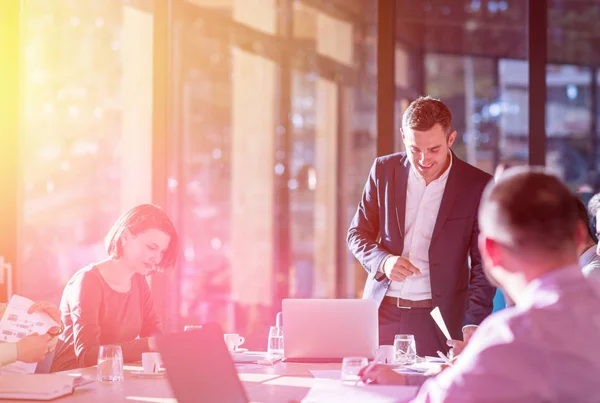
<point x="568" y="124"/>
<point x="204" y="181"/>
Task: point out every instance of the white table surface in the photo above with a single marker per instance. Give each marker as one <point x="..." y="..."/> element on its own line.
<point x="283" y="382"/>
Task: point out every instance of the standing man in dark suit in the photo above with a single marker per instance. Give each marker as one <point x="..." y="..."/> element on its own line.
<point x="415" y="233"/>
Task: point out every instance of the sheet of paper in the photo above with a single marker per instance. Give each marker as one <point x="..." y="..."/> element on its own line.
<point x="437" y="316"/>
<point x="420" y="367"/>
<point x="249" y="357"/>
<point x="249" y="367"/>
<point x="326" y="374"/>
<point x="16" y="323"/>
<point x="330" y="391"/>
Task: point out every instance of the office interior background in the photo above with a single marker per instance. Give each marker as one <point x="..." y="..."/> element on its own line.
<point x="254" y="123"/>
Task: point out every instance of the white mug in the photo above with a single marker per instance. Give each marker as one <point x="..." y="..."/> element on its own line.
<point x="151" y="362"/>
<point x="384" y="354"/>
<point x="233" y="341"/>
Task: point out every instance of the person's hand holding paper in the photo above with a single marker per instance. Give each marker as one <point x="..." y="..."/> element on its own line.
<point x="34" y="347"/>
<point x="457" y="345"/>
<point x="30" y="331"/>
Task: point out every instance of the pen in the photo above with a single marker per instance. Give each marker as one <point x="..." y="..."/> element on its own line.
<point x="443" y="357"/>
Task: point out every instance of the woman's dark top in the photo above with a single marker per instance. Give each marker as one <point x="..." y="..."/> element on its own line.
<point x="94" y="314"/>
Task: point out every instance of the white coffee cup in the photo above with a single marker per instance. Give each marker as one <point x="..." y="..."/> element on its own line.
<point x="151" y="362"/>
<point x="233" y="341"/>
<point x="384" y="354"/>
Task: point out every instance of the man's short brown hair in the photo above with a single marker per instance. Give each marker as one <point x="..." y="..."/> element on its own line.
<point x="426" y="112"/>
<point x="530" y="210"/>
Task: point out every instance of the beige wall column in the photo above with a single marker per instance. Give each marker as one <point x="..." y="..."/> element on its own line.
<point x="136" y="104"/>
<point x="253" y="161"/>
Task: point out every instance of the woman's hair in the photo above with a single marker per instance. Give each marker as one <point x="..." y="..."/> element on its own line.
<point x="140" y="219"/>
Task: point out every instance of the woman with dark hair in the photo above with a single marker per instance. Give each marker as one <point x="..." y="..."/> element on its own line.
<point x="109" y="302"/>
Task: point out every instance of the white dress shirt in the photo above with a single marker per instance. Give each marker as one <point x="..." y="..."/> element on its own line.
<point x="422" y="207"/>
<point x="544" y="349"/>
<point x="590" y="265"/>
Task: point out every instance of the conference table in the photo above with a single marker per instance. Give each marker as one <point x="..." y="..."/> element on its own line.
<point x="282" y="382"/>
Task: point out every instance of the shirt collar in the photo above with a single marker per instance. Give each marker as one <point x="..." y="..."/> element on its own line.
<point x="548" y="283"/>
<point x="587" y="256"/>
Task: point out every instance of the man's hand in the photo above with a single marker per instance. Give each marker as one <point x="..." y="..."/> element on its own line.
<point x="468" y="332"/>
<point x="47" y="308"/>
<point x="458" y="345"/>
<point x="398" y="268"/>
<point x="33" y="348"/>
<point x="448" y="365"/>
<point x="381" y="375"/>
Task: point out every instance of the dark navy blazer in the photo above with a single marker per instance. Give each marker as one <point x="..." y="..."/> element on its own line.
<point x="458" y="284"/>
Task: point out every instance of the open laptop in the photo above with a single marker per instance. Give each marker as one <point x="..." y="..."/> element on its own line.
<point x="327" y="330"/>
<point x="199" y="366"/>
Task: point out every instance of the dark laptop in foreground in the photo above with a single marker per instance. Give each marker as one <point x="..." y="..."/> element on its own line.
<point x="327" y="330"/>
<point x="200" y="368"/>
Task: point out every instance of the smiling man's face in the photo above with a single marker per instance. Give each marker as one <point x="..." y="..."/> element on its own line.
<point x="428" y="151"/>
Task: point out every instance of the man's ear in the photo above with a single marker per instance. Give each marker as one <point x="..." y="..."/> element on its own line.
<point x="451" y="138"/>
<point x="489" y="249"/>
<point x="581" y="234"/>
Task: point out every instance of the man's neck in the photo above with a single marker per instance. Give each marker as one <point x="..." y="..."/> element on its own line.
<point x="516" y="282"/>
<point x="586" y="247"/>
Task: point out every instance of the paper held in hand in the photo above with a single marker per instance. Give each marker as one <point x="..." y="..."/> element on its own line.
<point x="437" y="316"/>
<point x="16" y="323"/>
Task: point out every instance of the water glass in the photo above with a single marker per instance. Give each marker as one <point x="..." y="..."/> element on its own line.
<point x="110" y="364"/>
<point x="351" y="366"/>
<point x="275" y="346"/>
<point x="405" y="349"/>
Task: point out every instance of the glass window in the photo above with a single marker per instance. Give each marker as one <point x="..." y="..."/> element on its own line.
<point x="223" y="163"/>
<point x="87" y="130"/>
<point x="568" y="123"/>
<point x="228" y="158"/>
<point x="473" y="59"/>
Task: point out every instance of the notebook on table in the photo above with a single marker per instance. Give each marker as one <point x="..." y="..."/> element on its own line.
<point x="38" y="386"/>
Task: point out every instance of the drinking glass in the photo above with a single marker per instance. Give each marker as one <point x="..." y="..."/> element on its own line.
<point x="110" y="363"/>
<point x="351" y="367"/>
<point x="275" y="346"/>
<point x="405" y="349"/>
